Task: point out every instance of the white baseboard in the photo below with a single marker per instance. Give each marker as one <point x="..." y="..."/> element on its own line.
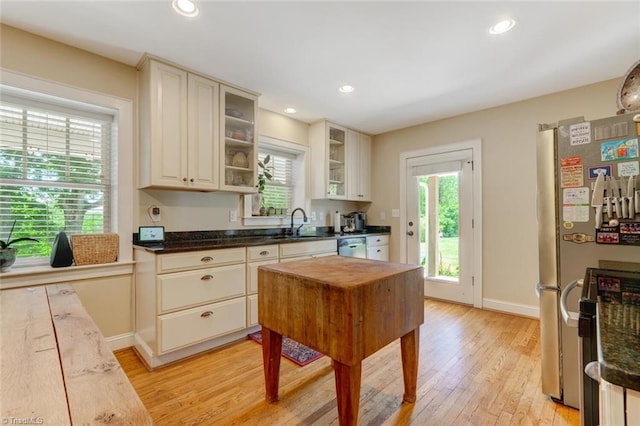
<point x="511" y="308"/>
<point x="120" y="341"/>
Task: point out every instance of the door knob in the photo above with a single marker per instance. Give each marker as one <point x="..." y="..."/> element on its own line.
<point x="410" y="233"/>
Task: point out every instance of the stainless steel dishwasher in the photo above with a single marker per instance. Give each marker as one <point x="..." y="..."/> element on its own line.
<point x="353" y="246"/>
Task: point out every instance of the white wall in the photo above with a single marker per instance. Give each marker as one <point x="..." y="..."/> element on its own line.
<point x="508" y="133"/>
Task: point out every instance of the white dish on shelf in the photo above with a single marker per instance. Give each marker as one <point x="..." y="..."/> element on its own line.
<point x="233" y="112"/>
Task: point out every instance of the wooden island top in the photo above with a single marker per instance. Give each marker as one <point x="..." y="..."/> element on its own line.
<point x="346" y="308"/>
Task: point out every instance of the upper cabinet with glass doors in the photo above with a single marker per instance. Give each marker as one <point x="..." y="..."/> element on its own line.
<point x="340" y="163"/>
<point x="238" y="135"/>
<point x="328" y="161"/>
<point x="195" y="133"/>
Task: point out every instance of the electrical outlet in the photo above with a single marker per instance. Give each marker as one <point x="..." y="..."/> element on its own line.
<point x="154" y="213"/>
<point x="313" y="215"/>
<point x="383" y="216"/>
<point x="233" y="215"/>
<point x="395" y="212"/>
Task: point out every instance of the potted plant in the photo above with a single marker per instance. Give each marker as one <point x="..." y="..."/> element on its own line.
<point x="8" y="254"/>
<point x="264" y="176"/>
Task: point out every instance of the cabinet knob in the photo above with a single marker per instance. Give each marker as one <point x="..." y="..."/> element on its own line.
<point x="207" y="277"/>
<point x="264" y="252"/>
<point x="206" y="259"/>
<point x="206" y="314"/>
<point x="184" y="179"/>
<point x="191" y="180"/>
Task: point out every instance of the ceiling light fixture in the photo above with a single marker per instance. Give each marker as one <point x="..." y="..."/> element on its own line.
<point x="185" y="8"/>
<point x="346" y="89"/>
<point x="502" y="26"/>
<point x="290" y="110"/>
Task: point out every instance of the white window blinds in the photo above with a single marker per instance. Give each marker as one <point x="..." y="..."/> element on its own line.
<point x="278" y="192"/>
<point x="54" y="171"/>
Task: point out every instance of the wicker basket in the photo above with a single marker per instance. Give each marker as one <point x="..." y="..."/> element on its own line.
<point x="90" y="249"/>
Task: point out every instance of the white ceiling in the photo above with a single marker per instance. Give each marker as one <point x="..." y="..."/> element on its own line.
<point x="410" y="62"/>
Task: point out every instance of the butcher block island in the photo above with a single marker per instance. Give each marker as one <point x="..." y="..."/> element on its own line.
<point x="346" y="308"/>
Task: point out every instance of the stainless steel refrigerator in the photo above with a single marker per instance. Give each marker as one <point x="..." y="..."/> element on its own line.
<point x="570" y="156"/>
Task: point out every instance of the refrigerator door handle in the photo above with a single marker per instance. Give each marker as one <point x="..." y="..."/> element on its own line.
<point x="570" y="318"/>
<point x="543" y="287"/>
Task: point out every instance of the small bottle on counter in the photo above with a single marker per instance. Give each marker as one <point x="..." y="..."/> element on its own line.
<point x="336" y="222"/>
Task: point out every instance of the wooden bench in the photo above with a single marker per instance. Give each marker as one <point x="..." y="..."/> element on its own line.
<point x="56" y="367"/>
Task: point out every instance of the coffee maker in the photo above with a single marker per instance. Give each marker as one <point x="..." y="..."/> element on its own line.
<point x="358" y="220"/>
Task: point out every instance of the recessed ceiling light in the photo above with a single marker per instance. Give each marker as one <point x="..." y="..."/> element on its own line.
<point x="502" y="26"/>
<point x="185" y="7"/>
<point x="346" y="89"/>
<point x="290" y="110"/>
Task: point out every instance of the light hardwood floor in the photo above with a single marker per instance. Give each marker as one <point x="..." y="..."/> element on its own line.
<point x="476" y="368"/>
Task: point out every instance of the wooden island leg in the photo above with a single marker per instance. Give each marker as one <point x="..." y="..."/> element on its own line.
<point x="271" y="350"/>
<point x="348" y="392"/>
<point x="409" y="345"/>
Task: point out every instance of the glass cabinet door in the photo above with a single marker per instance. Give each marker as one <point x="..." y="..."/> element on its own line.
<point x="337" y="160"/>
<point x="238" y="150"/>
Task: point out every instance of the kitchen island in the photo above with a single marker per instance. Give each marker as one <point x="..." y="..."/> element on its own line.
<point x="346" y="308"/>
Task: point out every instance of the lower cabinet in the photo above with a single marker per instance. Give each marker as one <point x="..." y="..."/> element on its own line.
<point x="618" y="405"/>
<point x="378" y="247"/>
<point x="257" y="256"/>
<point x="188" y="302"/>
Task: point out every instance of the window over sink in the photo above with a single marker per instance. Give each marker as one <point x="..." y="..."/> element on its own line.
<point x="287" y="189"/>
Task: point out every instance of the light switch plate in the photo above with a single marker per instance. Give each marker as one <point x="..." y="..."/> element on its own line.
<point x="233" y="215"/>
<point x="395" y="212"/>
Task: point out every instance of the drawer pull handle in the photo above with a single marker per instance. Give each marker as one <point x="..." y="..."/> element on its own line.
<point x="206" y="259"/>
<point x="207" y="277"/>
<point x="264" y="252"/>
<point x="378" y="250"/>
<point x="206" y="314"/>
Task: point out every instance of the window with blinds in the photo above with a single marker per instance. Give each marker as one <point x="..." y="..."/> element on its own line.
<point x="55" y="168"/>
<point x="278" y="192"/>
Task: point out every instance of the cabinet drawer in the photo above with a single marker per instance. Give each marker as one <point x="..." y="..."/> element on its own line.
<point x="378" y="253"/>
<point x="308" y="248"/>
<point x="199" y="259"/>
<point x="377" y="240"/>
<point x="192" y="288"/>
<point x="191" y="326"/>
<point x="262" y="253"/>
<point x="252" y="275"/>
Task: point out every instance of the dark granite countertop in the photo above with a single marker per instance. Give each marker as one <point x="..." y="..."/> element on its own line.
<point x="206" y="240"/>
<point x="619" y="343"/>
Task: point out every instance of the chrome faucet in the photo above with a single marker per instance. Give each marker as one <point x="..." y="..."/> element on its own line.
<point x="304" y="217"/>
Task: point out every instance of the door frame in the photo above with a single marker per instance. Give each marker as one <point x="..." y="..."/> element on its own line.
<point x="476" y="146"/>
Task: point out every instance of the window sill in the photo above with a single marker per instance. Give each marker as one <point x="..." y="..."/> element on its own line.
<point x="283" y="221"/>
<point x="39" y="275"/>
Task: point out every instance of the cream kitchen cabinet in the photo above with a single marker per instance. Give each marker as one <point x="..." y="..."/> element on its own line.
<point x="179" y="128"/>
<point x="358" y="166"/>
<point x="188" y="302"/>
<point x="257" y="256"/>
<point x="328" y="143"/>
<point x="308" y="249"/>
<point x="238" y="147"/>
<point x="378" y="247"/>
<point x="618" y="405"/>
